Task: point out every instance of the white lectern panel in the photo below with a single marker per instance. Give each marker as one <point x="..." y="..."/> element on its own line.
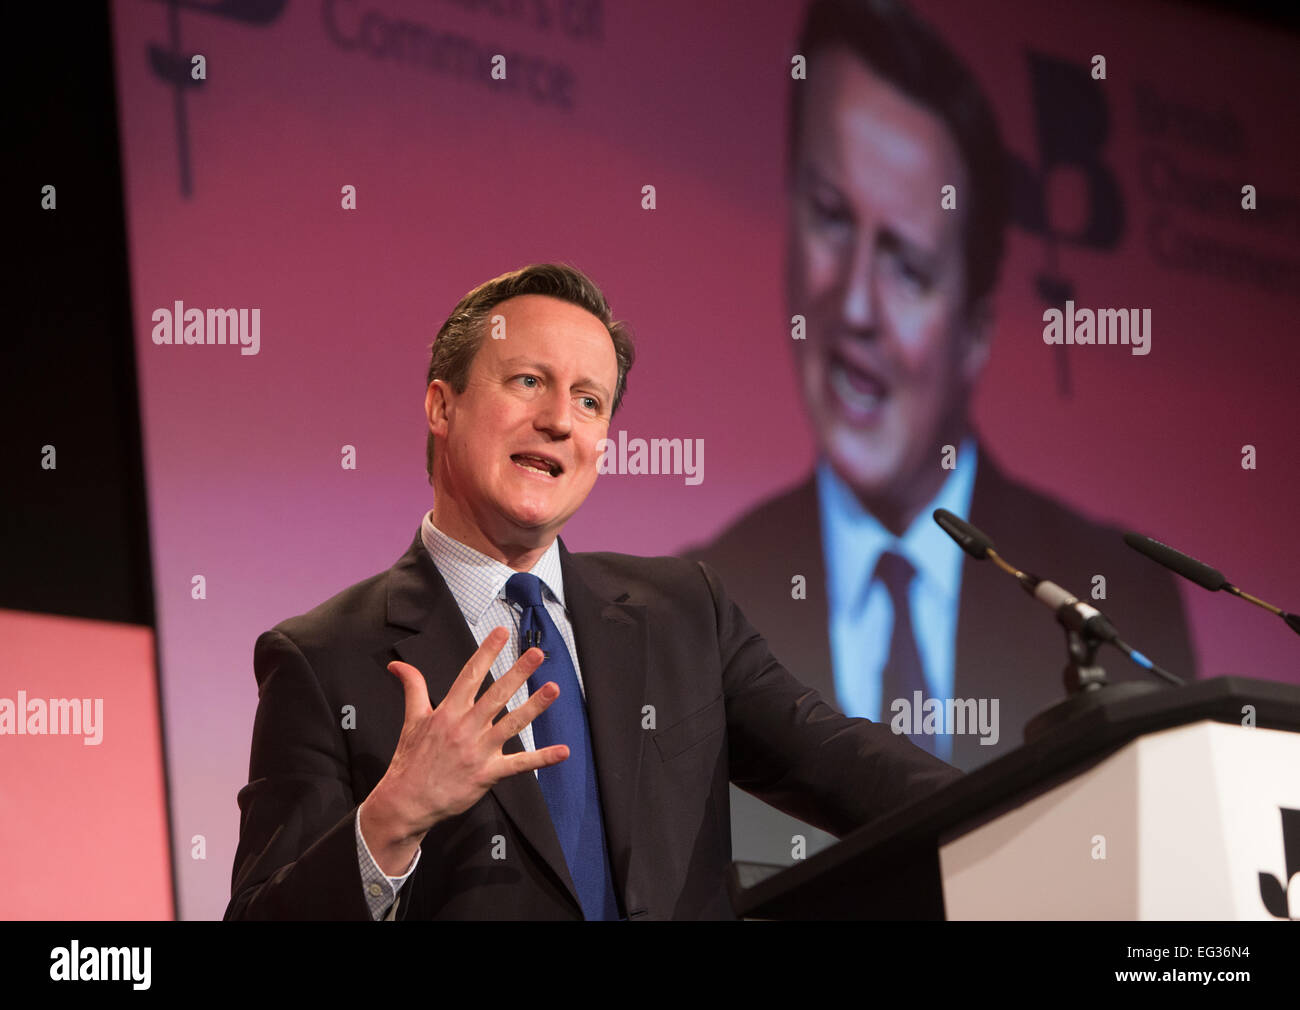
<point x="1175" y="825"/>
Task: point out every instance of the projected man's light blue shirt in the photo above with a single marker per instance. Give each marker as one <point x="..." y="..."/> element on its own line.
<point x="861" y="611"/>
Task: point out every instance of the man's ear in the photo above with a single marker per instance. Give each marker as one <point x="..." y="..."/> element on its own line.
<point x="437" y="406"/>
<point x="977" y="334"/>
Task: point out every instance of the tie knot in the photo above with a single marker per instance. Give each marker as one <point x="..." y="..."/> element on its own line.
<point x="896" y="572"/>
<point x="525" y="589"/>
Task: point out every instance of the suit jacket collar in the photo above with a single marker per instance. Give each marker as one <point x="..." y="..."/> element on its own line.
<point x="610" y="635"/>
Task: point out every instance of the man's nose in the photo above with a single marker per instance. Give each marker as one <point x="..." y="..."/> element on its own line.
<point x="858" y="297"/>
<point x="555" y="413"/>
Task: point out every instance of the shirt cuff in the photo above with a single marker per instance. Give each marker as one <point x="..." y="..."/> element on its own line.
<point x="380" y="889"/>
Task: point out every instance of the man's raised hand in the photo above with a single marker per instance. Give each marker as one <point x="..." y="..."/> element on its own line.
<point x="448" y="757"/>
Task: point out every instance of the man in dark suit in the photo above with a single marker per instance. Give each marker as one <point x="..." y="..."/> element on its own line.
<point x="898" y="205"/>
<point x="556" y="732"/>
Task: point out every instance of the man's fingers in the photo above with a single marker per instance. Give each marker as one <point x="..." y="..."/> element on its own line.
<point x="466" y="685"/>
<point x="537" y="703"/>
<point x="527" y="761"/>
<point x="413" y="686"/>
<point x="495" y="697"/>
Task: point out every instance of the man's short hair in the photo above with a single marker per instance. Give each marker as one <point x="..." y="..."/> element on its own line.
<point x="907" y="53"/>
<point x="461" y="336"/>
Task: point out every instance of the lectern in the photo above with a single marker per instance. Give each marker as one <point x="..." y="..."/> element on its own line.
<point x="1178" y="803"/>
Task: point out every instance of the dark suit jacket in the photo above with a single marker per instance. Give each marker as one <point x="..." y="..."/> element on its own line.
<point x="1008" y="646"/>
<point x="655" y="632"/>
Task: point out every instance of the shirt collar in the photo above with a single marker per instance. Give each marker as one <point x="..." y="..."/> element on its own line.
<point x="476" y="580"/>
<point x="855" y="539"/>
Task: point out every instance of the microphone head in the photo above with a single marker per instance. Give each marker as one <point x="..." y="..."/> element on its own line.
<point x="1176" y="561"/>
<point x="968" y="538"/>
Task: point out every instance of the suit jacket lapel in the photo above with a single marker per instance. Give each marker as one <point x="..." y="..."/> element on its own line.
<point x="798" y="632"/>
<point x="610" y="635"/>
<point x="812" y="647"/>
<point x="419" y="600"/>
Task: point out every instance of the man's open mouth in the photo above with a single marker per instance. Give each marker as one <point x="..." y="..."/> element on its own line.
<point x="537" y="464"/>
<point x="856" y="386"/>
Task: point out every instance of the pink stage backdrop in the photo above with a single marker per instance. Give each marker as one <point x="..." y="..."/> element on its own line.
<point x="235" y="199"/>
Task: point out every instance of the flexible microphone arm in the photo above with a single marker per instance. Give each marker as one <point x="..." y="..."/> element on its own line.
<point x="1202" y="574"/>
<point x="1075" y="615"/>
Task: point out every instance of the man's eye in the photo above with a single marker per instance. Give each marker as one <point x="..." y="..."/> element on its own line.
<point x="591" y="403"/>
<point x="827" y="211"/>
<point x="528" y="380"/>
<point x="912" y="275"/>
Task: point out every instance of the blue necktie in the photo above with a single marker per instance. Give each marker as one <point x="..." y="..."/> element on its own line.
<point x="903" y="674"/>
<point x="570" y="786"/>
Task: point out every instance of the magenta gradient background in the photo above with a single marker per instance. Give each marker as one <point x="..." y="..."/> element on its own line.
<point x="457" y="184"/>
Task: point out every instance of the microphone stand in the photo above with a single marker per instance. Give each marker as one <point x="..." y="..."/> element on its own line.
<point x="1083" y="672"/>
<point x="1085" y="684"/>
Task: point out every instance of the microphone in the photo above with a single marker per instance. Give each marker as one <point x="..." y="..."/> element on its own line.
<point x="1071" y="612"/>
<point x="1176" y="561"/>
<point x="968" y="538"/>
<point x="1202" y="574"/>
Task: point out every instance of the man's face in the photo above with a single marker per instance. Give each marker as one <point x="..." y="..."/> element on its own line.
<point x="516" y="452"/>
<point x="875" y="265"/>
